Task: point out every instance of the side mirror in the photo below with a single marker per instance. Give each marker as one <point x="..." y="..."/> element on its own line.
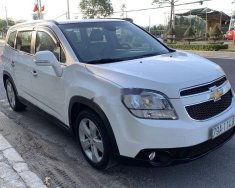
<point x="47" y="58"/>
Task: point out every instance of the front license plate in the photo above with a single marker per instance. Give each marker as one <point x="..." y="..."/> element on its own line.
<point x="223" y="127"/>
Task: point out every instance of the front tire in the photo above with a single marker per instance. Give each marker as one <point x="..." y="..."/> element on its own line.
<point x="13" y="100"/>
<point x="93" y="140"/>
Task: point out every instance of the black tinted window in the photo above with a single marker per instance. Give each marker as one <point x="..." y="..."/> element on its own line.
<point x="23" y="41"/>
<point x="11" y="39"/>
<point x="45" y="42"/>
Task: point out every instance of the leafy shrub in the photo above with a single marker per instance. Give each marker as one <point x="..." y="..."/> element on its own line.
<point x="199" y="47"/>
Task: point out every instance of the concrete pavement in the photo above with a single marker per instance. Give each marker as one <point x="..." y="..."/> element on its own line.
<point x="214" y="54"/>
<point x="14" y="172"/>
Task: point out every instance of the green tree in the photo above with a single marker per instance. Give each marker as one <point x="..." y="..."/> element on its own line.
<point x="96" y="8"/>
<point x="153" y="30"/>
<point x="215" y="33"/>
<point x="189" y="34"/>
<point x="123" y="7"/>
<point x="3" y="23"/>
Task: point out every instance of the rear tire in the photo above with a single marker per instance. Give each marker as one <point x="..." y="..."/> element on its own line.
<point x="93" y="140"/>
<point x="12" y="97"/>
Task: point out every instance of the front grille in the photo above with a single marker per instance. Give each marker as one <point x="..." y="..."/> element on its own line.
<point x="204" y="88"/>
<point x="211" y="108"/>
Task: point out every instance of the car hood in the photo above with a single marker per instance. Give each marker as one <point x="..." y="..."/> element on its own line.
<point x="167" y="73"/>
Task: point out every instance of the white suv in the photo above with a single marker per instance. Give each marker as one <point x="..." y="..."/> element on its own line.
<point x="120" y="91"/>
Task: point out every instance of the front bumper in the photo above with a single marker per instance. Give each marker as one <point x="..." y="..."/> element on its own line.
<point x="134" y="135"/>
<point x="174" y="156"/>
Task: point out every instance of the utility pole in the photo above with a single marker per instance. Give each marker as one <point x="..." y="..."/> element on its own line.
<point x="234" y="39"/>
<point x="39" y="9"/>
<point x="206" y="26"/>
<point x="172" y="7"/>
<point x="68" y="12"/>
<point x="6" y="15"/>
<point x="149" y="23"/>
<point x="190" y="17"/>
<point x="221" y="15"/>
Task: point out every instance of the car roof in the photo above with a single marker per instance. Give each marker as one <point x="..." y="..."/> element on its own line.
<point x="88" y="20"/>
<point x="54" y="22"/>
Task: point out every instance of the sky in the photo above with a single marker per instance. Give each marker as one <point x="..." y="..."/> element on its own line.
<point x="56" y="9"/>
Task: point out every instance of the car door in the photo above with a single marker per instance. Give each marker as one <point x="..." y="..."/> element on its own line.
<point x="9" y="53"/>
<point x="48" y="89"/>
<point x="22" y="63"/>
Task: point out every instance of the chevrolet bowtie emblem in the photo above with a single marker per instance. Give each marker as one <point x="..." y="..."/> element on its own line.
<point x="216" y="93"/>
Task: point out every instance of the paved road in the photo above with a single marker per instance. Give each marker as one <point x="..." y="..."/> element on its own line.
<point x="49" y="151"/>
<point x="228" y="66"/>
<point x="2" y="93"/>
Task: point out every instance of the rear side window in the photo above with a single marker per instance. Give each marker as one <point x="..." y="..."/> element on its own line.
<point x="23" y="41"/>
<point x="11" y="39"/>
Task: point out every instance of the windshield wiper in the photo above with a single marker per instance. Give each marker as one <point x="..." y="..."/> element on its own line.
<point x="107" y="60"/>
<point x="147" y="55"/>
<point x="111" y="60"/>
<point x="152" y="54"/>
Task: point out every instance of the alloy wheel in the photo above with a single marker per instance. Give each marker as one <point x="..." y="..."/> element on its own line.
<point x="91" y="140"/>
<point x="11" y="94"/>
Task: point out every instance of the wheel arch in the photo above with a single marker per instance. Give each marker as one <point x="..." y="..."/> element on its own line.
<point x="77" y="104"/>
<point x="6" y="76"/>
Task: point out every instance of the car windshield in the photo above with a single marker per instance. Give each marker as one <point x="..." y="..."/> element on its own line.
<point x="110" y="41"/>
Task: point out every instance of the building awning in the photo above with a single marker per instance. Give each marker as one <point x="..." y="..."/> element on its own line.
<point x="207" y="12"/>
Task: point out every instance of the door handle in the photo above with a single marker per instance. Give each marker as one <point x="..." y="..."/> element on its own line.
<point x="34" y="73"/>
<point x="13" y="63"/>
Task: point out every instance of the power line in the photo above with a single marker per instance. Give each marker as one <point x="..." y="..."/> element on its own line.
<point x="60" y="15"/>
<point x="160" y="7"/>
<point x="152" y="8"/>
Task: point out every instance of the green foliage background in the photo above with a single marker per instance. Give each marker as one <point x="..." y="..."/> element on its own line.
<point x="96" y="8"/>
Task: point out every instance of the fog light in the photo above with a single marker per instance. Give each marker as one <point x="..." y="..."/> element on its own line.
<point x="152" y="156"/>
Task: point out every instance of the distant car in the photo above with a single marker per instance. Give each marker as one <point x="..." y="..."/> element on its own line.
<point x="120" y="91"/>
<point x="230" y="34"/>
<point x="231" y="30"/>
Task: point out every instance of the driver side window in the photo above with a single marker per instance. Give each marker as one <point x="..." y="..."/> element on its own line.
<point x="45" y="42"/>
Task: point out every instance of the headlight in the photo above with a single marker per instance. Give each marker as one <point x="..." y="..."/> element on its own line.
<point x="148" y="104"/>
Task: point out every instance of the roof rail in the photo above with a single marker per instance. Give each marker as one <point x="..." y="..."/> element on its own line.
<point x="33" y="23"/>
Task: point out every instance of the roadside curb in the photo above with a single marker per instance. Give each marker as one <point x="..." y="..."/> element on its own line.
<point x="14" y="171"/>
